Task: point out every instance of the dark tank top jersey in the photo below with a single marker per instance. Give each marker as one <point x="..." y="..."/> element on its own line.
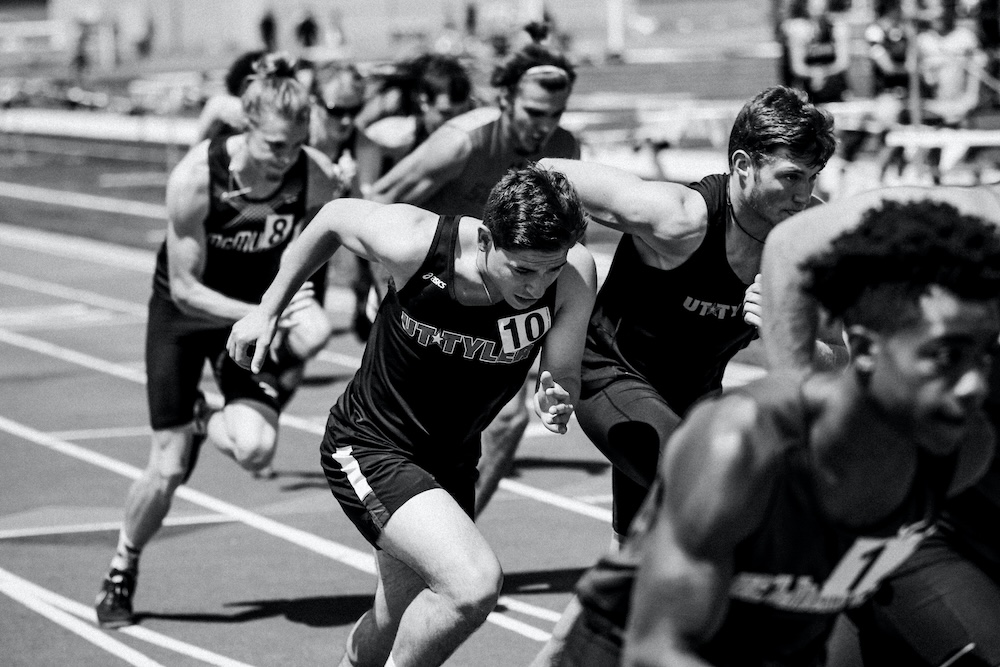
<point x="798" y="569"/>
<point x="676" y="328"/>
<point x="245" y="237"/>
<point x="435" y="372"/>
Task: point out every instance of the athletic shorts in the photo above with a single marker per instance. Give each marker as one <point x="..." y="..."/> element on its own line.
<point x="628" y="421"/>
<point x="177" y="347"/>
<point x="371" y="478"/>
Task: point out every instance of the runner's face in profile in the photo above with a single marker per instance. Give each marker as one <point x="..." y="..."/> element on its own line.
<point x="932" y="373"/>
<point x="780" y="187"/>
<point x="533" y="115"/>
<point x="522" y="276"/>
<point x="274" y="143"/>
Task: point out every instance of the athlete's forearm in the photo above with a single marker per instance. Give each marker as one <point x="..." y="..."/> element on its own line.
<point x="303" y="257"/>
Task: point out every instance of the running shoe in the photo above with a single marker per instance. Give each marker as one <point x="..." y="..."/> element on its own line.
<point x="114" y="602"/>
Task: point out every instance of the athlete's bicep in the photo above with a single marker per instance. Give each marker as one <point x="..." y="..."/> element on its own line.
<point x="187" y="209"/>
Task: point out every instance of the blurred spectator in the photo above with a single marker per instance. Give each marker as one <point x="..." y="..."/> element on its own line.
<point x="952" y="64"/>
<point x="269" y="31"/>
<point x="887" y="50"/>
<point x="818" y="50"/>
<point x="307" y="31"/>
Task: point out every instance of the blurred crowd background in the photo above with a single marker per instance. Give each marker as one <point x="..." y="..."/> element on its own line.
<point x="914" y="84"/>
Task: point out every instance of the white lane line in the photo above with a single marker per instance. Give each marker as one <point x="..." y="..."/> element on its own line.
<point x="73" y="607"/>
<point x="71" y="294"/>
<point x="75" y="247"/>
<point x="530" y="609"/>
<point x="550" y="498"/>
<point x="359" y="560"/>
<point x="72" y="356"/>
<point x="300" y="423"/>
<point x="103" y="433"/>
<point x="14" y="588"/>
<point x="81" y="200"/>
<point x="100" y="527"/>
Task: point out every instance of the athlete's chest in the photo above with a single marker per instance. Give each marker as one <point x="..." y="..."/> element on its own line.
<point x="432" y="323"/>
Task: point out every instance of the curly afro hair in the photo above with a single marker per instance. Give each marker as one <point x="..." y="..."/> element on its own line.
<point x="905" y="247"/>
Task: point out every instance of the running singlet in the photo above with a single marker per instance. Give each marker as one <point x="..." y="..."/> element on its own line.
<point x="491" y="157"/>
<point x="676" y="328"/>
<point x="798" y="569"/>
<point x="244" y="237"/>
<point x="435" y="372"/>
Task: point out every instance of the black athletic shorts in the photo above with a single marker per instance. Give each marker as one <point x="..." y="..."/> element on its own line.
<point x="371" y="478"/>
<point x="177" y="347"/>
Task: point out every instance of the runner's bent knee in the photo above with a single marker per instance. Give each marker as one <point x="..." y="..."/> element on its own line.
<point x="474" y="589"/>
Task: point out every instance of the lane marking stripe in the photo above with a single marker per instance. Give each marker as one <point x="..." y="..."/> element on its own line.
<point x="63" y="604"/>
<point x="14" y="588"/>
<point x="324" y="547"/>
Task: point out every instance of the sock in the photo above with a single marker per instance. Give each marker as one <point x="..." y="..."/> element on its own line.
<point x="126" y="555"/>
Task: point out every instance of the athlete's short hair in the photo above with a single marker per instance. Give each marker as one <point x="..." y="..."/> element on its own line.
<point x="782" y="117"/>
<point x="552" y="70"/>
<point x="534" y="208"/>
<point x="874" y="274"/>
<point x="274" y="88"/>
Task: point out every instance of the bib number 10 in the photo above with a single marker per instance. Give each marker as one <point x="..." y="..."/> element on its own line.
<point x="522" y="330"/>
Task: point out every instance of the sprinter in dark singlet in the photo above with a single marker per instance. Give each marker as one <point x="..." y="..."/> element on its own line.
<point x="453" y="172"/>
<point x="681" y="297"/>
<point x="782" y="503"/>
<point x="233" y="206"/>
<point x="470" y="305"/>
<point x="946" y="598"/>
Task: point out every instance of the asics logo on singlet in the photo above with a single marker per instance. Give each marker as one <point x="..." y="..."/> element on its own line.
<point x="852" y="581"/>
<point x="518" y="335"/>
<point x="277" y="230"/>
<point x="437" y="282"/>
<point x="709" y="309"/>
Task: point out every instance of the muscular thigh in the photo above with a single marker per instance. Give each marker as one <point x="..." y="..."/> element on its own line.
<point x="176" y="350"/>
<point x="628" y="421"/>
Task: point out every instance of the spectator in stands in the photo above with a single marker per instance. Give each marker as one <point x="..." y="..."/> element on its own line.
<point x="951" y="67"/>
<point x="887" y="49"/>
<point x="818" y="50"/>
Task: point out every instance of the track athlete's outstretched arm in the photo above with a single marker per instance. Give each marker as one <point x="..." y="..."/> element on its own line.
<point x="419" y="175"/>
<point x="671" y="219"/>
<point x="396" y="236"/>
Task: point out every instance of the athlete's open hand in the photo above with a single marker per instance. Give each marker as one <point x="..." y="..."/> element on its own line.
<point x="552" y="403"/>
<point x="751" y="304"/>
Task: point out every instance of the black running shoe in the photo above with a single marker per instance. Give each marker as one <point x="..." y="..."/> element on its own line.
<point x="202" y="411"/>
<point x="114" y="602"/>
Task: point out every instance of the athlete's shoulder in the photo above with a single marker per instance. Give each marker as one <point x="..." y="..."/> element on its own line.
<point x="470" y="121"/>
<point x="193" y="168"/>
